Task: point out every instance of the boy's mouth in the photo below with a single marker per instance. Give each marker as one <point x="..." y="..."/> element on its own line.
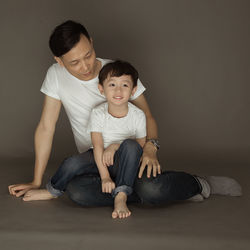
<point x="118" y="97"/>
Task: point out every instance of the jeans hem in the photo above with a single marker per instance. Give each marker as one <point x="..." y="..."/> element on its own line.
<point x="124" y="188"/>
<point x="53" y="191"/>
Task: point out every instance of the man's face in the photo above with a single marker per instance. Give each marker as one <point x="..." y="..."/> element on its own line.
<point x="118" y="90"/>
<point x="80" y="61"/>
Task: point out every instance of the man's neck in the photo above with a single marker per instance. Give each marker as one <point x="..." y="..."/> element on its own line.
<point x="118" y="111"/>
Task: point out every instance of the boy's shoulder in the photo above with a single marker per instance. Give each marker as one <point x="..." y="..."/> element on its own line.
<point x="135" y="110"/>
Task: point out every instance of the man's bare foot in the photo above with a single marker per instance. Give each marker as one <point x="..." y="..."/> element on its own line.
<point x="120" y="207"/>
<point x="38" y="195"/>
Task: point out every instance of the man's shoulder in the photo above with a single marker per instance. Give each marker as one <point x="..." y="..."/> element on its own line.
<point x="104" y="61"/>
<point x="100" y="109"/>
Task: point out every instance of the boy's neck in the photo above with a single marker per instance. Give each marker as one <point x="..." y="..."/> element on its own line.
<point x="118" y="111"/>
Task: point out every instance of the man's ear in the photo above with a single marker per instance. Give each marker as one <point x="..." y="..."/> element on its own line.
<point x="134" y="90"/>
<point x="100" y="87"/>
<point x="59" y="61"/>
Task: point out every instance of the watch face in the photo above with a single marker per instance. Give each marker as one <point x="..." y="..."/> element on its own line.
<point x="156" y="143"/>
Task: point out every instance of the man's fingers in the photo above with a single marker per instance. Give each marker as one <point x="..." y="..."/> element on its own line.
<point x="143" y="165"/>
<point x="20" y="193"/>
<point x="154" y="170"/>
<point x="149" y="170"/>
<point x="159" y="168"/>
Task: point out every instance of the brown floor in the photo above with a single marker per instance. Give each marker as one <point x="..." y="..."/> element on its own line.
<point x="218" y="223"/>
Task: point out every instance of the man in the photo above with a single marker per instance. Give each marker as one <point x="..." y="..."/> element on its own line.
<point x="73" y="82"/>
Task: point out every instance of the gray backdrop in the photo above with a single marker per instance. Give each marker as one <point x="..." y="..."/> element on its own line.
<point x="193" y="57"/>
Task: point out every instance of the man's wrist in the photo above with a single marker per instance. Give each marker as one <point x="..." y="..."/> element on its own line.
<point x="154" y="142"/>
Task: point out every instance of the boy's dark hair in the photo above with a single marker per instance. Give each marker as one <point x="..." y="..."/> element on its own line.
<point x="65" y="36"/>
<point x="116" y="69"/>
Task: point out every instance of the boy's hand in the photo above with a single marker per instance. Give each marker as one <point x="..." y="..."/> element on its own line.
<point x="108" y="154"/>
<point x="107" y="185"/>
<point x="149" y="159"/>
<point x="20" y="189"/>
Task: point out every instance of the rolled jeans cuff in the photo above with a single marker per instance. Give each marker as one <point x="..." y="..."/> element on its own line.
<point x="124" y="188"/>
<point x="52" y="190"/>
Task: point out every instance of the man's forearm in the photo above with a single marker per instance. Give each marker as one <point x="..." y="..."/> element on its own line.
<point x="152" y="131"/>
<point x="43" y="144"/>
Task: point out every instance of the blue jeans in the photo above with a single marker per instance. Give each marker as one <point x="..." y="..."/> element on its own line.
<point x="78" y="176"/>
<point x="123" y="171"/>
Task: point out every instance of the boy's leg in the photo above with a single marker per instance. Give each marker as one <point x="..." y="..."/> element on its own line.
<point x="124" y="171"/>
<point x="125" y="168"/>
<point x="75" y="165"/>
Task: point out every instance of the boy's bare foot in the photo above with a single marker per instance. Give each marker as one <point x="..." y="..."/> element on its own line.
<point x="37" y="195"/>
<point x="120" y="207"/>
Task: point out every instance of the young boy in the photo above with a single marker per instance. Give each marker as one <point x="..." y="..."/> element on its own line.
<point x="118" y="133"/>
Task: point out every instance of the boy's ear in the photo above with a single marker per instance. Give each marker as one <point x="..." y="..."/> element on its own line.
<point x="59" y="61"/>
<point x="134" y="90"/>
<point x="100" y="87"/>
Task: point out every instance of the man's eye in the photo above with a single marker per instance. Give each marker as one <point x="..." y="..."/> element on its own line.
<point x="74" y="63"/>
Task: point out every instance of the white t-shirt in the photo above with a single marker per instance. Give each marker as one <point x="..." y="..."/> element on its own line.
<point x="78" y="98"/>
<point x="116" y="130"/>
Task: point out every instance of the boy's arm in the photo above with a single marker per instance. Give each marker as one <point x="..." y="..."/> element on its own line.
<point x="141" y="141"/>
<point x="149" y="156"/>
<point x="43" y="143"/>
<point x="107" y="183"/>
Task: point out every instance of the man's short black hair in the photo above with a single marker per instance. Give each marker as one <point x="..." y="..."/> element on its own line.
<point x="116" y="69"/>
<point x="65" y="36"/>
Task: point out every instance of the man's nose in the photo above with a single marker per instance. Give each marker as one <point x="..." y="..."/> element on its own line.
<point x="84" y="66"/>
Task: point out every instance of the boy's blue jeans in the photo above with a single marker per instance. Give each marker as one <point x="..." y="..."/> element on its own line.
<point x="79" y="177"/>
<point x="123" y="172"/>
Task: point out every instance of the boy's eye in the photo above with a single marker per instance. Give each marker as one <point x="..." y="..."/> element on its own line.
<point x="125" y="85"/>
<point x="111" y="84"/>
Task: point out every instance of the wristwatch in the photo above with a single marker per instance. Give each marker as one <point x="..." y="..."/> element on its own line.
<point x="155" y="142"/>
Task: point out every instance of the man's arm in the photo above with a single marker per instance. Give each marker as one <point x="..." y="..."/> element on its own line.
<point x="43" y="142"/>
<point x="149" y="156"/>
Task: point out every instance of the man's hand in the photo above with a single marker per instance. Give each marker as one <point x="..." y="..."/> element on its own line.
<point x="149" y="159"/>
<point x="108" y="154"/>
<point x="107" y="185"/>
<point x="20" y="189"/>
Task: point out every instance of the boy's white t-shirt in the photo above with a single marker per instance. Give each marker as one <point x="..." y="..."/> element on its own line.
<point x="116" y="130"/>
<point x="78" y="98"/>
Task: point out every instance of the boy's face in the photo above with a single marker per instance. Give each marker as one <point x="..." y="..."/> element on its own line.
<point x="117" y="90"/>
<point x="80" y="61"/>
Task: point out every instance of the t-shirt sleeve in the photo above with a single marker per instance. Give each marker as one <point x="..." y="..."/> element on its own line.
<point x="139" y="91"/>
<point x="95" y="123"/>
<point x="50" y="84"/>
<point x="141" y="129"/>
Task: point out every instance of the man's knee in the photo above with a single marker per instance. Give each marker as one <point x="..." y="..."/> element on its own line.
<point x="70" y="165"/>
<point x="79" y="195"/>
<point x="149" y="190"/>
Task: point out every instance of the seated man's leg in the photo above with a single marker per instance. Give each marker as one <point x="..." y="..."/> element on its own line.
<point x="86" y="190"/>
<point x="83" y="163"/>
<point x="75" y="165"/>
<point x="167" y="187"/>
